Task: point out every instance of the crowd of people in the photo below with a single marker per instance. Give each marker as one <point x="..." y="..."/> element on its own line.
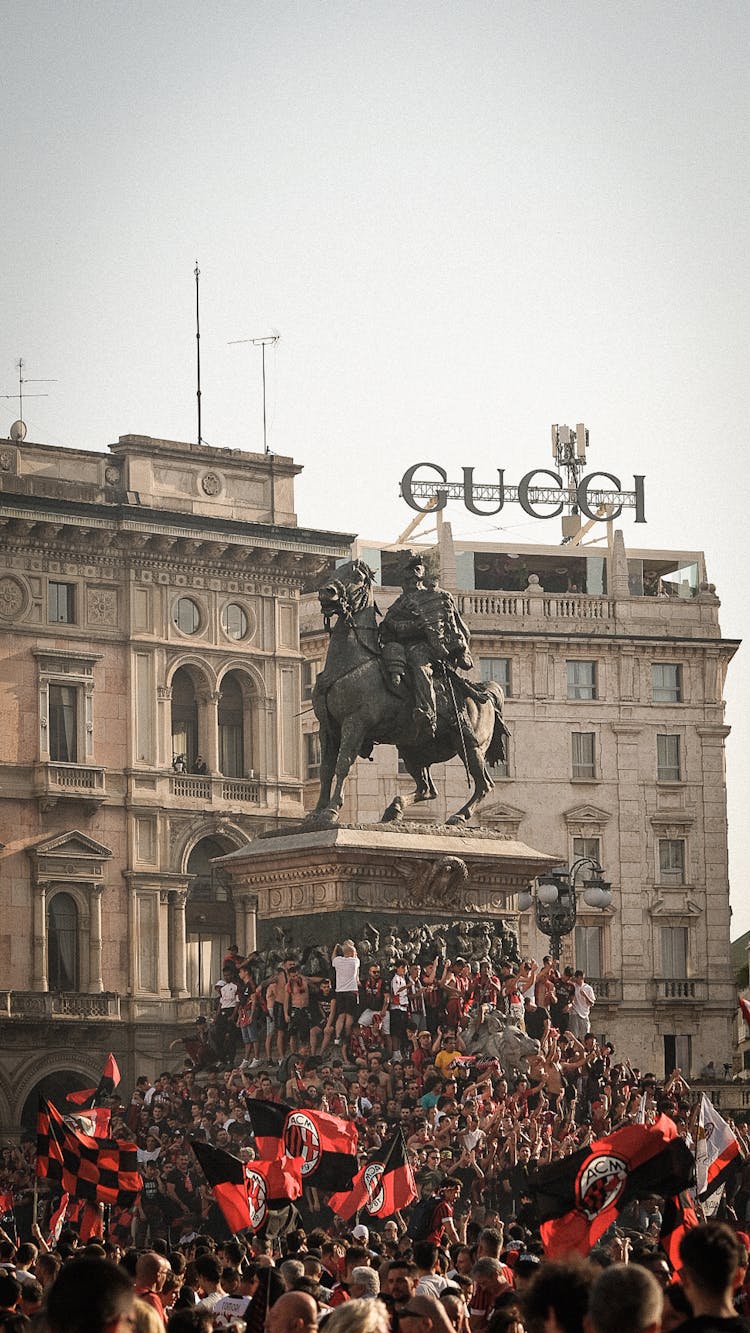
<point x="388" y="1050"/>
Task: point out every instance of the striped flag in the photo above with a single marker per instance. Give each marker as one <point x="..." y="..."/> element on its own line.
<point x="718" y="1156"/>
<point x="109" y="1080"/>
<point x="383" y="1186"/>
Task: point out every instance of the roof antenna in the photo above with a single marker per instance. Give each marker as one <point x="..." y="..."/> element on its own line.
<point x="268" y="341"/>
<point x="19" y="427"/>
<point x="198" y="344"/>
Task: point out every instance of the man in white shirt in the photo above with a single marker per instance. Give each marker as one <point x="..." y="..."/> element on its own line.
<point x="580" y="1006"/>
<point x="345" y="963"/>
<point x="399" y="1006"/>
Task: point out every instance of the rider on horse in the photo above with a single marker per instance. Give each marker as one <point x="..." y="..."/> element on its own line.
<point x="423" y="629"/>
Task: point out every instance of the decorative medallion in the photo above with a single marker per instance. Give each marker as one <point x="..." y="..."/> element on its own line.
<point x="211" y="483"/>
<point x="112" y="474"/>
<point x="12" y="598"/>
<point x="6" y="460"/>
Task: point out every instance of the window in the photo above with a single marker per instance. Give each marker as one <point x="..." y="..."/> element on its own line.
<point x="666" y="682"/>
<point x="581" y="680"/>
<point x="184" y="717"/>
<point x="187" y="616"/>
<point x="501" y="767"/>
<point x="231" y="728"/>
<point x="62" y="943"/>
<point x="590" y="848"/>
<point x="583" y="755"/>
<point x="588" y="947"/>
<point x="671" y="860"/>
<point x="61" y="603"/>
<point x="674" y="952"/>
<point x="63" y="723"/>
<point x="233" y="621"/>
<point x="668" y="758"/>
<point x="312" y="754"/>
<point x="310" y="670"/>
<point x="497" y="669"/>
<point x="677" y="1054"/>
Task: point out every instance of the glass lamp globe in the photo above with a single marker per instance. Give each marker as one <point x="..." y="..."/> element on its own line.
<point x="547" y="892"/>
<point x="525" y="900"/>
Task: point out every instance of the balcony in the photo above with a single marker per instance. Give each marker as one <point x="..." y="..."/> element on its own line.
<point x="55" y="781"/>
<point x="678" y="990"/>
<point x="608" y="989"/>
<point x="43" y="1005"/>
<point x="192" y="787"/>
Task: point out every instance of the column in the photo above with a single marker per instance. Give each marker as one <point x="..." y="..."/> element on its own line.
<point x="210" y="729"/>
<point x="96" y="983"/>
<point x="39" y="966"/>
<point x="178" y="953"/>
<point x="164" y="732"/>
<point x="250" y="907"/>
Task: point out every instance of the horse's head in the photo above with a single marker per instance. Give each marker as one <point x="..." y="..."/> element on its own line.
<point x="347" y="590"/>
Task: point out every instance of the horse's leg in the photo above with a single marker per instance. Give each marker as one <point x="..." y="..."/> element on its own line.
<point x="353" y="733"/>
<point x="423" y="784"/>
<point x="480" y="777"/>
<point x="329" y="748"/>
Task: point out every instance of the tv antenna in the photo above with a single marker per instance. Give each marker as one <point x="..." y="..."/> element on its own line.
<point x="198" y="345"/>
<point x="269" y="340"/>
<point x="20" y="425"/>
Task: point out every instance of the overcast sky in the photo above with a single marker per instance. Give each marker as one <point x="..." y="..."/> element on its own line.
<point x="466" y="220"/>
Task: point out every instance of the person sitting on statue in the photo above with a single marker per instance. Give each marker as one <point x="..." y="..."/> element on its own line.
<point x="425" y="624"/>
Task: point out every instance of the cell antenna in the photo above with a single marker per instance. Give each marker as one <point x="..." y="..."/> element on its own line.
<point x="19" y="394"/>
<point x="198" y="345"/>
<point x="267" y="341"/>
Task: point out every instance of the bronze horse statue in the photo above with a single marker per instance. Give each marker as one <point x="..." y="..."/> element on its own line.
<point x="358" y="707"/>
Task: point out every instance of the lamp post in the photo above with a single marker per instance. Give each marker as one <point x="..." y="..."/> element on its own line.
<point x="555" y="901"/>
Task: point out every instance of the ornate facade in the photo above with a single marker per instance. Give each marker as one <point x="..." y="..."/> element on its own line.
<point x="150" y="682"/>
<point x="613" y="665"/>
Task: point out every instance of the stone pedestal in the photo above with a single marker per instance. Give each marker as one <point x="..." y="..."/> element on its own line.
<point x="322" y="886"/>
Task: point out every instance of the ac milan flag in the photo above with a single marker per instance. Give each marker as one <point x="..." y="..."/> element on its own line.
<point x="246" y="1192"/>
<point x="383" y="1186"/>
<point x="107" y="1083"/>
<point x="745" y="1010"/>
<point x="101" y="1170"/>
<point x="718" y="1155"/>
<point x="579" y="1197"/>
<point x="327" y="1146"/>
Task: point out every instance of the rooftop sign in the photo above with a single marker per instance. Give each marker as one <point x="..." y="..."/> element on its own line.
<point x="582" y="494"/>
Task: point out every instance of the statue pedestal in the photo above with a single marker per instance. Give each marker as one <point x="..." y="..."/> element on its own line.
<point x="410" y="880"/>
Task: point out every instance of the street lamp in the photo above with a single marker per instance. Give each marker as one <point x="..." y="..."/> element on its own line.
<point x="555" y="903"/>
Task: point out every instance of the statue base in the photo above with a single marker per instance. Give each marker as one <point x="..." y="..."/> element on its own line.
<point x="430" y="888"/>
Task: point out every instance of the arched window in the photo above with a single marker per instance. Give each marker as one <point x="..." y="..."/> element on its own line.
<point x="62" y="943"/>
<point x="210" y="922"/>
<point x="231" y="728"/>
<point x="184" y="717"/>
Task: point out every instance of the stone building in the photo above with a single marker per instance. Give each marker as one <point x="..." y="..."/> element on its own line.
<point x="150" y="680"/>
<point x="613" y="665"/>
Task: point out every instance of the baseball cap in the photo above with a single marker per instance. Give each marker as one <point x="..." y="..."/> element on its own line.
<point x="361" y="1233"/>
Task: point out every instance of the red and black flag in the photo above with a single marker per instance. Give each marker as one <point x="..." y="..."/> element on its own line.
<point x="57" y="1218"/>
<point x="678" y="1216"/>
<point x="101" y="1170"/>
<point x="268" y="1120"/>
<point x="247" y="1192"/>
<point x="580" y="1196"/>
<point x="94" y="1122"/>
<point x="327" y="1146"/>
<point x="7" y="1213"/>
<point x="91" y="1225"/>
<point x="384" y="1185"/>
<point x="107" y="1083"/>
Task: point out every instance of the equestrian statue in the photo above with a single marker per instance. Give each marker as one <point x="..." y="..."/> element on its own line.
<point x="398" y="683"/>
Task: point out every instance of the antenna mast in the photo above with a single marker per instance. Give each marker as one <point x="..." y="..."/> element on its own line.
<point x="21" y="381"/>
<point x="268" y="341"/>
<point x="198" y="345"/>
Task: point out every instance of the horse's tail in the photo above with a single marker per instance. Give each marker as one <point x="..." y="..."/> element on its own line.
<point x="496" y="750"/>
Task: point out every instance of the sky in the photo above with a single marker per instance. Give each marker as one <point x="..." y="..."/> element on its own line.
<point x="466" y="221"/>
